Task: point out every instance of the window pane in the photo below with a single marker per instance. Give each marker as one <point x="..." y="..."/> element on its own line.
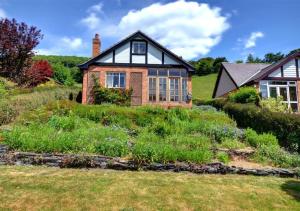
<point x="174" y="72"/>
<point x="152" y="89"/>
<point x="109" y="83"/>
<point x="122" y="80"/>
<point x="116" y="80"/>
<point x="162" y="89"/>
<point x="174" y="91"/>
<point x="273" y="92"/>
<point x="263" y="91"/>
<point x="139" y="47"/>
<point x="294" y="107"/>
<point x="278" y="82"/>
<point x="293" y="93"/>
<point x="184" y="90"/>
<point x="163" y="72"/>
<point x="283" y="93"/>
<point x="152" y="72"/>
<point x="184" y="73"/>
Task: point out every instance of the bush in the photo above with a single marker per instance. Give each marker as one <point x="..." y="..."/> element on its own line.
<point x="285" y="126"/>
<point x="114" y="96"/>
<point x="62" y="74"/>
<point x="38" y="73"/>
<point x="274" y="104"/>
<point x="273" y="154"/>
<point x="255" y="140"/>
<point x="229" y="143"/>
<point x="244" y="95"/>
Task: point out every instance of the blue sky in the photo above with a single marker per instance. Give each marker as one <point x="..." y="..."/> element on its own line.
<point x="192" y="29"/>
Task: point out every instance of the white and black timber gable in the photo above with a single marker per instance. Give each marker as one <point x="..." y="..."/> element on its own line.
<point x="138" y="50"/>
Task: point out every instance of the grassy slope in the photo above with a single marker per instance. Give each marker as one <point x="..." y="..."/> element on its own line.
<point x="203" y="86"/>
<point x="35" y="188"/>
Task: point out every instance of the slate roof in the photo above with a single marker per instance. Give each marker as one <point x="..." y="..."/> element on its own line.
<point x="243" y="73"/>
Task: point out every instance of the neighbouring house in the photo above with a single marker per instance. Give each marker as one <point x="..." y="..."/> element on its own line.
<point x="155" y="74"/>
<point x="278" y="79"/>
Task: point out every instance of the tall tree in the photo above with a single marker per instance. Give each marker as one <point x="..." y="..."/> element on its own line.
<point x="273" y="57"/>
<point x="217" y="63"/>
<point x="252" y="59"/>
<point x="204" y="66"/>
<point x="17" y="41"/>
<point x="294" y="51"/>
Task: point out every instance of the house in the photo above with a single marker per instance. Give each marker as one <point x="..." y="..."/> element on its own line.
<point x="155" y="74"/>
<point x="272" y="80"/>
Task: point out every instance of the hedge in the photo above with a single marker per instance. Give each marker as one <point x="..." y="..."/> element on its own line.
<point x="285" y="126"/>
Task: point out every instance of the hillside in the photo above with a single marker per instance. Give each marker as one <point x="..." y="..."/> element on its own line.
<point x="203" y="86"/>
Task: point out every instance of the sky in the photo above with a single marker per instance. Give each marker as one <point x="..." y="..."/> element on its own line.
<point x="191" y="29"/>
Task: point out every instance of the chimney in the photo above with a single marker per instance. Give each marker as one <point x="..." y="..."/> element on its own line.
<point x="96" y="45"/>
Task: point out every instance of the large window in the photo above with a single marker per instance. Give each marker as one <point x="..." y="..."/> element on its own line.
<point x="184" y="89"/>
<point x="139" y="47"/>
<point x="286" y="89"/>
<point x="115" y="80"/>
<point x="174" y="89"/>
<point x="152" y="89"/>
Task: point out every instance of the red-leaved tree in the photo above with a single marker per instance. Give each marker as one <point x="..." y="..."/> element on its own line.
<point x="38" y="73"/>
<point x="17" y="41"/>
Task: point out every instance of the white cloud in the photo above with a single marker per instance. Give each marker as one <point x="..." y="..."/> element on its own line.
<point x="96" y="8"/>
<point x="2" y="13"/>
<point x="93" y="21"/>
<point x="189" y="29"/>
<point x="64" y="46"/>
<point x="250" y="42"/>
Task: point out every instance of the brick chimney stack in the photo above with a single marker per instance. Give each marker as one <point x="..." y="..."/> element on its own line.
<point x="96" y="45"/>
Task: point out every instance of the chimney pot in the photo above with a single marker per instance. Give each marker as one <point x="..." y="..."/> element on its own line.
<point x="96" y="45"/>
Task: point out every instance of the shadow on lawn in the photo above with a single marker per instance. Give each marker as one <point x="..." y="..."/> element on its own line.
<point x="292" y="188"/>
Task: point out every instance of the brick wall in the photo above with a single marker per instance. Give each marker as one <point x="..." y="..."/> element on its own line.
<point x="101" y="74"/>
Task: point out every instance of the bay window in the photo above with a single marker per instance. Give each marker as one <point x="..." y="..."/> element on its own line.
<point x="115" y="80"/>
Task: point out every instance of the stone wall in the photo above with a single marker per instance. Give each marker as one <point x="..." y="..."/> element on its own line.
<point x="83" y="161"/>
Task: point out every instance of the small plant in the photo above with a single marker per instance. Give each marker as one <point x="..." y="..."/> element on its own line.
<point x="257" y="140"/>
<point x="223" y="157"/>
<point x="244" y="95"/>
<point x="229" y="143"/>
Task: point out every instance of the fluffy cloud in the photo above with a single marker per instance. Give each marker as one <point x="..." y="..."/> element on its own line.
<point x="250" y="42"/>
<point x="64" y="46"/>
<point x="92" y="21"/>
<point x="2" y="13"/>
<point x="189" y="29"/>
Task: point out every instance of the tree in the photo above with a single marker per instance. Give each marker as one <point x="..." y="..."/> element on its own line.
<point x="17" y="41"/>
<point x="217" y="63"/>
<point x="239" y="61"/>
<point x="62" y="74"/>
<point x="273" y="57"/>
<point x="38" y="73"/>
<point x="294" y="51"/>
<point x="252" y="59"/>
<point x="204" y="66"/>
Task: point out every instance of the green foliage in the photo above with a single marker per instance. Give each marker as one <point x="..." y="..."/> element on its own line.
<point x="274" y="155"/>
<point x="229" y="143"/>
<point x="285" y="126"/>
<point x="203" y="86"/>
<point x="223" y="157"/>
<point x="3" y="91"/>
<point x="244" y="95"/>
<point x="69" y="62"/>
<point x="274" y="104"/>
<point x="208" y="65"/>
<point x="257" y="140"/>
<point x="114" y="96"/>
<point x="62" y="74"/>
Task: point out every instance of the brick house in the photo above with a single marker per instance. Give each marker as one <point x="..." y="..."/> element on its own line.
<point x="278" y="79"/>
<point x="156" y="75"/>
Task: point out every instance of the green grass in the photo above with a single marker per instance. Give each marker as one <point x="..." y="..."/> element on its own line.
<point x="203" y="86"/>
<point x="40" y="188"/>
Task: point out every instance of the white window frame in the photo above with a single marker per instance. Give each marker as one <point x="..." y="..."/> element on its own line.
<point x="139" y="43"/>
<point x="112" y="75"/>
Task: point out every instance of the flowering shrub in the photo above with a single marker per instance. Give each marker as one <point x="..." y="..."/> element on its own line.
<point x="114" y="96"/>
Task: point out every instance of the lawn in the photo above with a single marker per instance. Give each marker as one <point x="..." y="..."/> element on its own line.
<point x="40" y="188"/>
<point x="203" y="86"/>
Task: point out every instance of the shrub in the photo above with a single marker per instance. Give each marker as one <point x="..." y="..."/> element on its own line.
<point x="114" y="96"/>
<point x="38" y="73"/>
<point x="285" y="126"/>
<point x="274" y="104"/>
<point x="223" y="157"/>
<point x="273" y="154"/>
<point x="3" y="91"/>
<point x="244" y="95"/>
<point x="256" y="140"/>
<point x="62" y="74"/>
